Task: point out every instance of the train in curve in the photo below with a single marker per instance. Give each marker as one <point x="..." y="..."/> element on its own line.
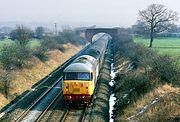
<point x="80" y="77"/>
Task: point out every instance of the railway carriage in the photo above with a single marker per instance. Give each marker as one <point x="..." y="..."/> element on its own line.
<point x="80" y="77"/>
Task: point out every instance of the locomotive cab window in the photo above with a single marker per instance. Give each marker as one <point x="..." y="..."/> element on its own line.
<point x="77" y="76"/>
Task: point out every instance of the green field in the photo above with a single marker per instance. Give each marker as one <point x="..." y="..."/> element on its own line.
<point x="169" y="46"/>
<point x="164" y="46"/>
<point x="34" y="43"/>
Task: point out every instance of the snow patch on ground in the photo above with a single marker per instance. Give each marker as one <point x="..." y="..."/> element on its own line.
<point x="112" y="98"/>
<point x="113" y="72"/>
<point x="111" y="108"/>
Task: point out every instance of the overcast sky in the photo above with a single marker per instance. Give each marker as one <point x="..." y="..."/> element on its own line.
<point x="102" y="12"/>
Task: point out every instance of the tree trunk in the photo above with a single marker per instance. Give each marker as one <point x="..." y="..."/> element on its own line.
<point x="151" y="41"/>
<point x="152" y="38"/>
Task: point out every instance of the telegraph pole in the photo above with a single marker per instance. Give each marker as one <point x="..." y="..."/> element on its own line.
<point x="55" y="29"/>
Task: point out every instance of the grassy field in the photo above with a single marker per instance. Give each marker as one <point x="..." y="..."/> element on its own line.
<point x="34" y="43"/>
<point x="169" y="46"/>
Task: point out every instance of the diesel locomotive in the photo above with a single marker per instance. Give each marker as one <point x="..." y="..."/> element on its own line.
<point x="80" y="77"/>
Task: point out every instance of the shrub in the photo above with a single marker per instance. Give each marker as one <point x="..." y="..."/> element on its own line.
<point x="23" y="55"/>
<point x="61" y="48"/>
<point x="166" y="68"/>
<point x="69" y="37"/>
<point x="14" y="56"/>
<point x="138" y="83"/>
<point x="163" y="67"/>
<point x="49" y="43"/>
<point x="22" y="34"/>
<point x="41" y="53"/>
<point x="7" y="56"/>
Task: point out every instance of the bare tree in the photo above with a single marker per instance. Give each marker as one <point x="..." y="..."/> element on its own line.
<point x="156" y="19"/>
<point x="22" y="34"/>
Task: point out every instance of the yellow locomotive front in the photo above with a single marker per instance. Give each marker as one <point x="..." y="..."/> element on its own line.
<point x="79" y="80"/>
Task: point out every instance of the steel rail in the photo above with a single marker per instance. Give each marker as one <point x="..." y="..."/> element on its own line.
<point x="83" y="116"/>
<point x="25" y="112"/>
<point x="64" y="116"/>
<point x="47" y="108"/>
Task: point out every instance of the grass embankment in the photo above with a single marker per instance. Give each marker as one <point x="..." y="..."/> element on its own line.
<point x="24" y="79"/>
<point x="147" y="84"/>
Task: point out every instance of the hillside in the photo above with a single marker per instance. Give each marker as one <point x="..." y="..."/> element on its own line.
<point x="25" y="78"/>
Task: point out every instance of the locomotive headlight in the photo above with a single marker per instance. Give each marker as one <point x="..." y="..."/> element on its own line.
<point x="66" y="84"/>
<point x="86" y="85"/>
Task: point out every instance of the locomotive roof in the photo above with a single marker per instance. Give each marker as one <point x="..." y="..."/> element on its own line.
<point x="92" y="52"/>
<point x="78" y="67"/>
<point x="88" y="58"/>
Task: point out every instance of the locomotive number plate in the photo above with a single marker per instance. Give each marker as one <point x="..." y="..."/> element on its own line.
<point x="76" y="90"/>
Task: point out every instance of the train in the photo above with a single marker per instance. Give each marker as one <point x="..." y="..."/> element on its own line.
<point x="80" y="77"/>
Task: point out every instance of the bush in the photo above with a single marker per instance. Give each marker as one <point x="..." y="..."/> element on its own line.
<point x="129" y="81"/>
<point x="22" y="34"/>
<point x="14" y="56"/>
<point x="166" y="68"/>
<point x="7" y="56"/>
<point x="163" y="67"/>
<point x="40" y="53"/>
<point x="49" y="43"/>
<point x="69" y="37"/>
<point x="23" y="55"/>
<point x="61" y="48"/>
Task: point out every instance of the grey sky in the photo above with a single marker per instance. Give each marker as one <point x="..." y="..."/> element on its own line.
<point x="102" y="12"/>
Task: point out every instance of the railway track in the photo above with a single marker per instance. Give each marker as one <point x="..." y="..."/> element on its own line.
<point x="45" y="111"/>
<point x="31" y="115"/>
<point x="36" y="111"/>
<point x="74" y="115"/>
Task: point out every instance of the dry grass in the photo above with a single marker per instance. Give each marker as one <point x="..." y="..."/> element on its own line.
<point x="3" y="100"/>
<point x="166" y="108"/>
<point x="24" y="79"/>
